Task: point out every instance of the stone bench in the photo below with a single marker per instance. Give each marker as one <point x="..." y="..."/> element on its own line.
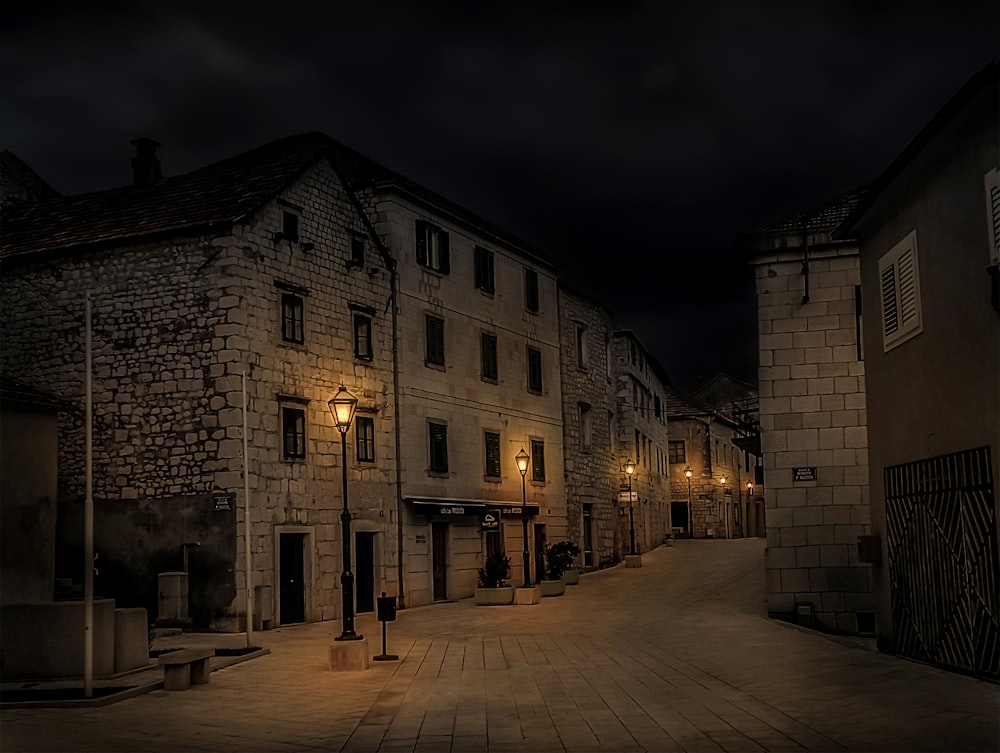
<point x="185" y="667"/>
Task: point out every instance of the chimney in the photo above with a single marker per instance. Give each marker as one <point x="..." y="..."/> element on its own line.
<point x="145" y="163"/>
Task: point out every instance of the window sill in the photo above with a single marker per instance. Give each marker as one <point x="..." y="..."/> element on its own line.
<point x="439" y="474"/>
<point x="435" y="366"/>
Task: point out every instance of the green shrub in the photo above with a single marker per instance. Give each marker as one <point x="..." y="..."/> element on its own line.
<point x="495" y="572"/>
<point x="559" y="558"/>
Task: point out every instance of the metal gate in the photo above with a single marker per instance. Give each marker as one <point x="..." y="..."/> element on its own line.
<point x="941" y="531"/>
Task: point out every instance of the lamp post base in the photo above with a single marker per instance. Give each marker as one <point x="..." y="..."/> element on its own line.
<point x="527" y="594"/>
<point x="633" y="560"/>
<point x="349" y="656"/>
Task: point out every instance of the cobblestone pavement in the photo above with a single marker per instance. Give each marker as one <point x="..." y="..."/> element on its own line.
<point x="677" y="655"/>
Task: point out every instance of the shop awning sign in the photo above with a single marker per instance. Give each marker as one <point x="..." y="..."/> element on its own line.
<point x="491" y="521"/>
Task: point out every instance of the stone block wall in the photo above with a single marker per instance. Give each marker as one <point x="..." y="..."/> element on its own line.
<point x="812" y="413"/>
<point x="591" y="473"/>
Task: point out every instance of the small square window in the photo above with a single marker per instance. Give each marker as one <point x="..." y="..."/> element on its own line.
<point x="438" y="449"/>
<point x="534" y="370"/>
<point x="483" y="260"/>
<point x="292" y="318"/>
<point x="537" y="460"/>
<point x="531" y="290"/>
<point x="434" y="327"/>
<point x="676" y="451"/>
<point x="492" y="454"/>
<point x="357" y="251"/>
<point x="363" y="337"/>
<point x="432" y="247"/>
<point x="364" y="429"/>
<point x="293" y="429"/>
<point x="290" y="226"/>
<point x="489" y="356"/>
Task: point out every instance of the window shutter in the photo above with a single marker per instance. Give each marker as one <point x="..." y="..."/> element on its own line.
<point x="489" y="347"/>
<point x="439" y="447"/>
<point x="899" y="288"/>
<point x="421" y="233"/>
<point x="435" y="339"/>
<point x="537" y="460"/>
<point x="477" y="262"/>
<point x="992" y="180"/>
<point x="445" y="255"/>
<point x="492" y="454"/>
<point x="531" y="289"/>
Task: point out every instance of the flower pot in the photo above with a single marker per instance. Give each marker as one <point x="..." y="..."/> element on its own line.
<point x="494" y="597"/>
<point x="572" y="577"/>
<point x="553" y="587"/>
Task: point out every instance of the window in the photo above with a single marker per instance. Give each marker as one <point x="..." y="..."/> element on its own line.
<point x="492" y="454"/>
<point x="534" y="370"/>
<point x="586" y="432"/>
<point x="657" y="409"/>
<point x="293" y="432"/>
<point x="357" y="252"/>
<point x="581" y="346"/>
<point x="435" y="340"/>
<point x="292" y="318"/>
<point x="537" y="460"/>
<point x="900" y="291"/>
<point x="290" y="226"/>
<point x="489" y="356"/>
<point x="363" y="336"/>
<point x="531" y="290"/>
<point x="432" y="247"/>
<point x="438" y="448"/>
<point x="483" y="259"/>
<point x="364" y="431"/>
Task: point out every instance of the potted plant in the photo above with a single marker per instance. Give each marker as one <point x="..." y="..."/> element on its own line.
<point x="558" y="559"/>
<point x="494" y="590"/>
<point x="572" y="573"/>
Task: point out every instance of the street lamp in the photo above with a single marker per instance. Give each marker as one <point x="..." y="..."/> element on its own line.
<point x="522" y="465"/>
<point x="629" y="470"/>
<point x="725" y="503"/>
<point x="749" y="489"/>
<point x="689" y="473"/>
<point x="342" y="406"/>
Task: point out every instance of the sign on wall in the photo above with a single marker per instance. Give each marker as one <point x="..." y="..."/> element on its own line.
<point x="805" y="473"/>
<point x="491" y="521"/>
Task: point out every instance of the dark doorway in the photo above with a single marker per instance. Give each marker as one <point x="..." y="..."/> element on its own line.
<point x="291" y="560"/>
<point x="679" y="515"/>
<point x="588" y="535"/>
<point x="365" y="563"/>
<point x="539" y="551"/>
<point x="439" y="556"/>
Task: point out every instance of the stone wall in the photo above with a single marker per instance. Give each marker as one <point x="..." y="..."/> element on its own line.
<point x="591" y="470"/>
<point x="812" y="413"/>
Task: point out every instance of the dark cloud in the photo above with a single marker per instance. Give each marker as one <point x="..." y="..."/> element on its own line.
<point x="632" y="141"/>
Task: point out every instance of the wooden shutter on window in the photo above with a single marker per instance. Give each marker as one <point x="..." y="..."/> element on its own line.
<point x="444" y="253"/>
<point x="435" y="339"/>
<point x="421" y="234"/>
<point x="492" y="454"/>
<point x="537" y="460"/>
<point x="439" y="447"/>
<point x="489" y="345"/>
<point x="899" y="288"/>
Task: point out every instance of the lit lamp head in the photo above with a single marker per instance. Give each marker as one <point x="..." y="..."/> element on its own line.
<point x="342" y="406"/>
<point x="629" y="467"/>
<point x="688" y="472"/>
<point x="522" y="459"/>
<point x="749" y="487"/>
<point x="723" y="479"/>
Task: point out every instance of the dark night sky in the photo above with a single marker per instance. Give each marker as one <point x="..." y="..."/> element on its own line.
<point x="632" y="142"/>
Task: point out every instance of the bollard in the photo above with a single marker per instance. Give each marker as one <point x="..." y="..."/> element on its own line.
<point x="386" y="606"/>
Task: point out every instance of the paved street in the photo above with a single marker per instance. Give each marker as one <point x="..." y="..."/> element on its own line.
<point x="677" y="655"/>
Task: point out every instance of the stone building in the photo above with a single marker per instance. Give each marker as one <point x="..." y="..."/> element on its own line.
<point x="929" y="234"/>
<point x="593" y="468"/>
<point x="813" y="418"/>
<point x="237" y="276"/>
<point x="641" y="436"/>
<point x="708" y="476"/>
<point x="477" y="357"/>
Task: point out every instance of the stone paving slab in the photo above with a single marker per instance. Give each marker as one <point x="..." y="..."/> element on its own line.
<point x="675" y="656"/>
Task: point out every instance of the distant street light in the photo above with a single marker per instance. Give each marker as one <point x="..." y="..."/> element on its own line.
<point x="342" y="406"/>
<point x="629" y="470"/>
<point x="688" y="472"/>
<point x="522" y="459"/>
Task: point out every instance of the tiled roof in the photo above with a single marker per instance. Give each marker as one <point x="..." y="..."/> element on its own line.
<point x="823" y="217"/>
<point x="679" y="406"/>
<point x="15" y="392"/>
<point x="212" y="196"/>
<point x="217" y="194"/>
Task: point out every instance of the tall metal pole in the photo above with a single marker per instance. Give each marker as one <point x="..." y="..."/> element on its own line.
<point x="347" y="577"/>
<point x="690" y="521"/>
<point x="524" y="531"/>
<point x="88" y="517"/>
<point x="246" y="513"/>
<point x="631" y="523"/>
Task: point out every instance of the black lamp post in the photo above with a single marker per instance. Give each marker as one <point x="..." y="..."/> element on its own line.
<point x="725" y="503"/>
<point x="688" y="472"/>
<point x="522" y="465"/>
<point x="342" y="406"/>
<point x="629" y="470"/>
